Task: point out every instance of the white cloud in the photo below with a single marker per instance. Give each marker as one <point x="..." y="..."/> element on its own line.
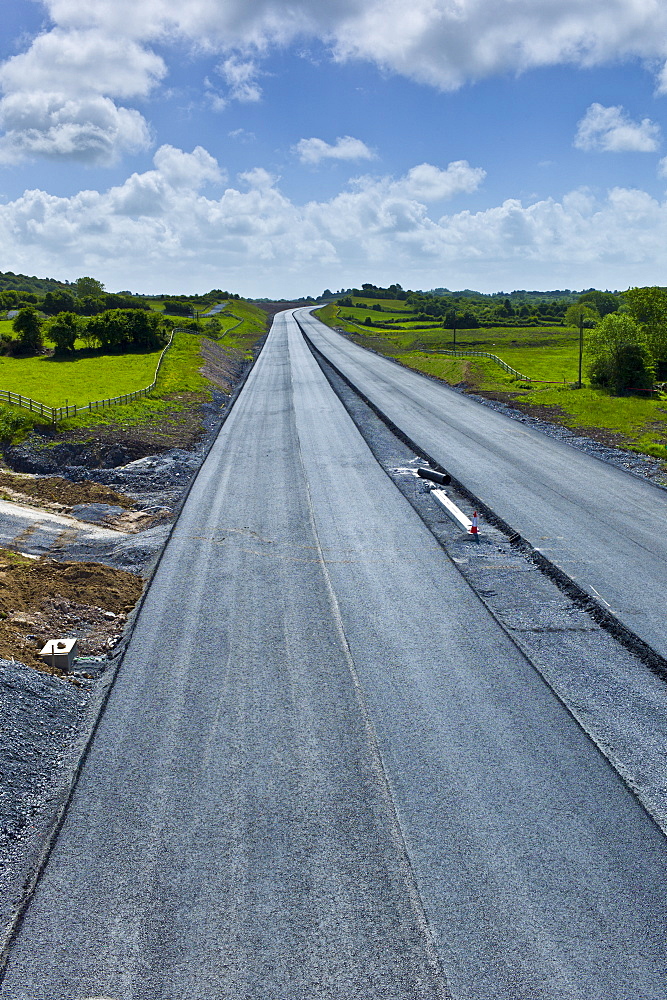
<point x="163" y="229"/>
<point x="428" y="183"/>
<point x="240" y="76"/>
<point x="89" y="129"/>
<point x="313" y="151"/>
<point x="106" y="48"/>
<point x="56" y="100"/>
<point x="442" y="42"/>
<point x="72" y="62"/>
<point x="610" y="130"/>
<point x="189" y="170"/>
<point x="168" y="222"/>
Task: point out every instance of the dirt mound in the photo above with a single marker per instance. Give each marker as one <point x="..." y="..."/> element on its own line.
<point x="41" y="599"/>
<point x="59" y="491"/>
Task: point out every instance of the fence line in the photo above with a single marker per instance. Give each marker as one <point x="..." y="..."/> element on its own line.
<point x="498" y="361"/>
<point x="58" y="413"/>
<point x="475" y="354"/>
<point x="223" y="333"/>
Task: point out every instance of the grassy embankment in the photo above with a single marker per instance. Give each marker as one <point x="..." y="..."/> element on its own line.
<point x="547" y="353"/>
<point x="91" y="375"/>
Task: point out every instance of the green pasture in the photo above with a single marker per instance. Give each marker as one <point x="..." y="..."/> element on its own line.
<point x="179" y="375"/>
<point x="90" y="376"/>
<point x="94" y="376"/>
<point x="550" y="354"/>
<point x="241" y="325"/>
<point x="238" y="326"/>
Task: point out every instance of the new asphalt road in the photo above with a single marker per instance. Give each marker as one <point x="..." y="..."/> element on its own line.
<point x="602" y="527"/>
<point x="324" y="772"/>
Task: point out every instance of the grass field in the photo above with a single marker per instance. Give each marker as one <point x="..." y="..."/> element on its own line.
<point x="543" y="353"/>
<point x="91" y="375"/>
<point x="87" y="377"/>
<point x="179" y="374"/>
<point x="241" y="325"/>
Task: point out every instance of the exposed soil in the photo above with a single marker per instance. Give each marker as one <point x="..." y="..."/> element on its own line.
<point x="42" y="599"/>
<point x="126" y="477"/>
<point x="58" y="493"/>
<point x="106" y="446"/>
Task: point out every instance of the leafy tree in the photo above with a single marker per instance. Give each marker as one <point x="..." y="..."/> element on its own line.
<point x="57" y="302"/>
<point x="88" y="305"/>
<point x="451" y="320"/>
<point x="648" y="307"/>
<point x="122" y="328"/>
<point x="89" y="336"/>
<point x="603" y="302"/>
<point x="28" y="327"/>
<point x="175" y="308"/>
<point x="9" y="299"/>
<point x="88" y="287"/>
<point x="620" y="359"/>
<point x="109" y="328"/>
<point x="145" y="329"/>
<point x="468" y="320"/>
<point x="574" y="314"/>
<point x="63" y="331"/>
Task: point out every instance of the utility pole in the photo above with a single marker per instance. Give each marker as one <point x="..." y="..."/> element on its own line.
<point x="581" y="342"/>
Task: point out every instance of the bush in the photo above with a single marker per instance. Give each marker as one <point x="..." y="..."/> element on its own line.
<point x="619" y="357"/>
<point x="123" y="328"/>
<point x="15" y="424"/>
<point x="63" y="331"/>
<point x="28" y="328"/>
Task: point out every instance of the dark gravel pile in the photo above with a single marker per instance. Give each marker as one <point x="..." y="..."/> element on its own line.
<point x="41" y="719"/>
<point x="153" y="482"/>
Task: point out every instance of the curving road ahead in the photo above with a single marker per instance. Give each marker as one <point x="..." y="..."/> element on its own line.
<point x="604" y="528"/>
<point x="324" y="772"/>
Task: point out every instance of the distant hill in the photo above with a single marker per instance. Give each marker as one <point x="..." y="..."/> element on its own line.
<point x="29" y="283"/>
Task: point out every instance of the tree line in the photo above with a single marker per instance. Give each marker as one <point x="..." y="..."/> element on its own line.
<point x="626" y="332"/>
<point x="111" y="330"/>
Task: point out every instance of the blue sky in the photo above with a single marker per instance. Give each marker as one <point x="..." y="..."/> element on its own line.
<point x="277" y="149"/>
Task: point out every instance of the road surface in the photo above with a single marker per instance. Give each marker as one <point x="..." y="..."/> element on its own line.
<point x="602" y="527"/>
<point x="324" y="772"/>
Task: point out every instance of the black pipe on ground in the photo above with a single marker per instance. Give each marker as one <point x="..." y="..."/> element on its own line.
<point x="436" y="477"/>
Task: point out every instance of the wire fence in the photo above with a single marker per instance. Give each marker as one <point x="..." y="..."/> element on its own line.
<point x="57" y="413"/>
